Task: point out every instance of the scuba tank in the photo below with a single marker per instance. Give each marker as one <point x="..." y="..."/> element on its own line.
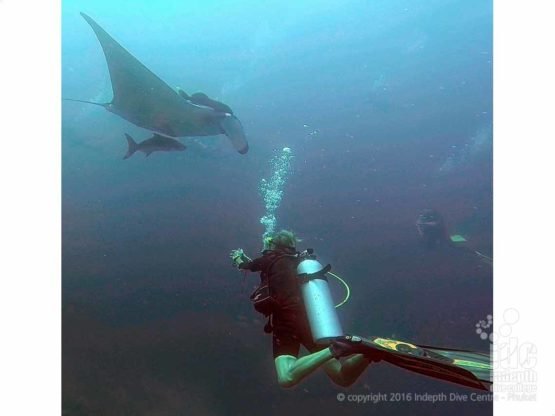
<point x="320" y="309"/>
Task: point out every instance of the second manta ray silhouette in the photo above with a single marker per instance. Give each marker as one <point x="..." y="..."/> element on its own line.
<point x="142" y="98"/>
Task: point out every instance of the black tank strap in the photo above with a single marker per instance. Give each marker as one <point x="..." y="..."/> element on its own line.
<point x="320" y="275"/>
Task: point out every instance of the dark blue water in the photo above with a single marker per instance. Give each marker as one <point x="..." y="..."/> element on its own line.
<point x="387" y="107"/>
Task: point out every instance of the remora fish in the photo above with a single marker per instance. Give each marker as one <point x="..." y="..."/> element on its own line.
<point x="156" y="143"/>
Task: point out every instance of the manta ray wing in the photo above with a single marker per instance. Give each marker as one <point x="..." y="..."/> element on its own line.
<point x="142" y="98"/>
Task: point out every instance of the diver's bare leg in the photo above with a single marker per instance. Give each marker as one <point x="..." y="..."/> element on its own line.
<point x="347" y="372"/>
<point x="291" y="370"/>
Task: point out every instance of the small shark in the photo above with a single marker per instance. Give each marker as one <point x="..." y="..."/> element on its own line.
<point x="156" y="143"/>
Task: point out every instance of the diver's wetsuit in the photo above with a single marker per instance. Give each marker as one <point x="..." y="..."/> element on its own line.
<point x="289" y="322"/>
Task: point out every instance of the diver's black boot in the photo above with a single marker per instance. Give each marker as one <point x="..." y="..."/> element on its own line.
<point x="351" y="344"/>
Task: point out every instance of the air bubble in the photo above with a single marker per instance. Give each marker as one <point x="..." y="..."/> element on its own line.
<point x="272" y="189"/>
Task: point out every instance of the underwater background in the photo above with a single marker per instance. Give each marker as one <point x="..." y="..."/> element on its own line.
<point x="387" y="109"/>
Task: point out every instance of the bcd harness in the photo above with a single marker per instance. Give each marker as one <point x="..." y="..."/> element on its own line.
<point x="262" y="298"/>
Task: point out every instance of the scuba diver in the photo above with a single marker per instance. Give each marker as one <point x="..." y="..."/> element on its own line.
<point x="431" y="228"/>
<point x="433" y="233"/>
<point x="279" y="298"/>
<point x="294" y="295"/>
<point x="200" y="98"/>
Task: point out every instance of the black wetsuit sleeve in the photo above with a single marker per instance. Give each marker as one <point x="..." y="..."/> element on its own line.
<point x="255" y="265"/>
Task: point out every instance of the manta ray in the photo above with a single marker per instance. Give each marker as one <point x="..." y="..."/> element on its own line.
<point x="142" y="98"/>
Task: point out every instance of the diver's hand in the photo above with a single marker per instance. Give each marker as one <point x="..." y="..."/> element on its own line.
<point x="238" y="257"/>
